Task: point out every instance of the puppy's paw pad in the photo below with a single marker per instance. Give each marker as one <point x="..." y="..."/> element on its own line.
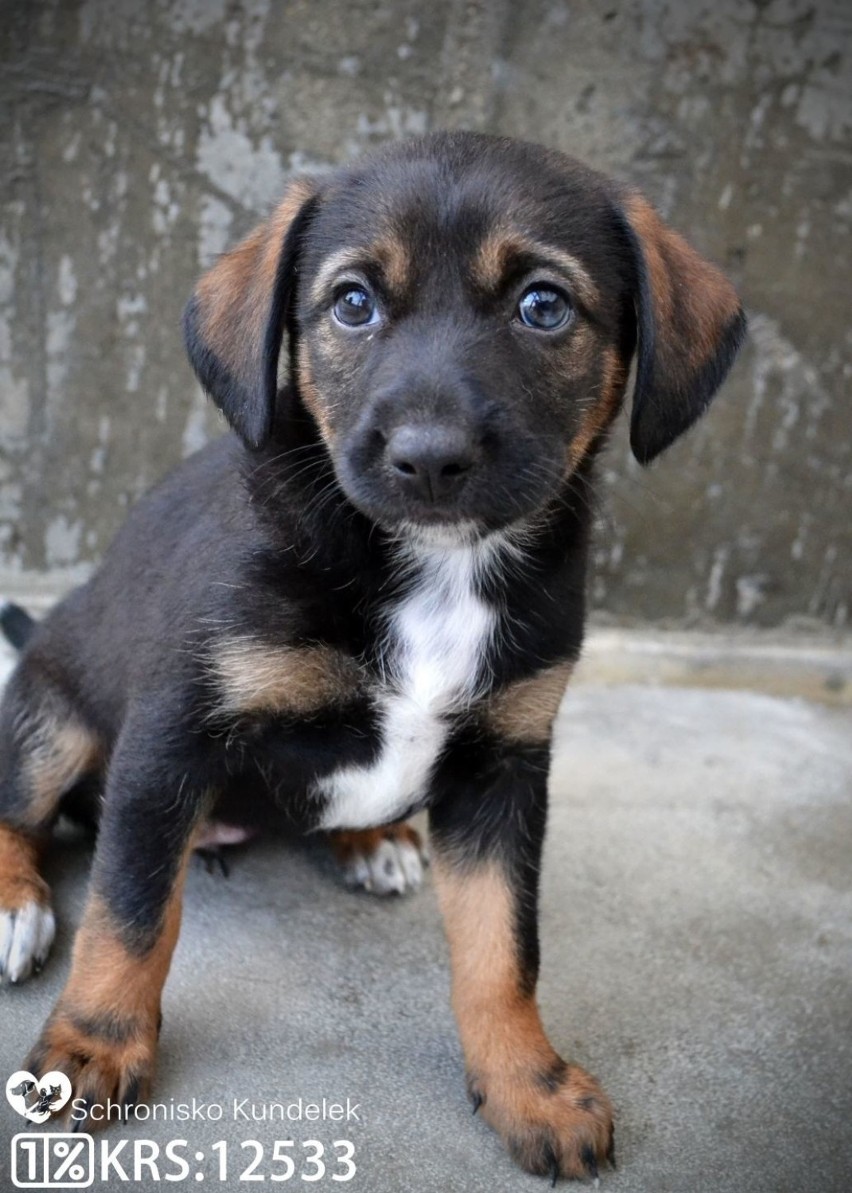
<point x="26" y="934"/>
<point x="213" y="834"/>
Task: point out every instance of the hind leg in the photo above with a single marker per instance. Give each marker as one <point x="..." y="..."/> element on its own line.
<point x="102" y="1033"/>
<point x="44" y="750"/>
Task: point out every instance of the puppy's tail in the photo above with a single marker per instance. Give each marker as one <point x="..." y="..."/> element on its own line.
<point x="16" y="624"/>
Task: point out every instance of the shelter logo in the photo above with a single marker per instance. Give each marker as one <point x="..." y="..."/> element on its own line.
<point x="38" y="1100"/>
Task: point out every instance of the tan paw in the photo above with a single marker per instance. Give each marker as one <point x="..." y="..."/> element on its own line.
<point x="106" y="1059"/>
<point x="557" y="1123"/>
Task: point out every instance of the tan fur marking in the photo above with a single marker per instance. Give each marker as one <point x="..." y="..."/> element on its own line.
<point x="502" y="243"/>
<point x="610" y="391"/>
<point x="336" y="264"/>
<point x="298" y="680"/>
<point x="680" y="277"/>
<point x="499" y="1026"/>
<point x="652" y="232"/>
<point x="505" y="1047"/>
<point x="20" y="881"/>
<point x="235" y="294"/>
<point x="524" y="711"/>
<point x="395" y="261"/>
<point x="389" y="253"/>
<point x="106" y="976"/>
<point x="492" y="256"/>
<point x="311" y="395"/>
<point x="59" y="750"/>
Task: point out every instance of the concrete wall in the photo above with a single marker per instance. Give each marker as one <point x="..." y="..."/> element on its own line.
<point x="142" y="137"/>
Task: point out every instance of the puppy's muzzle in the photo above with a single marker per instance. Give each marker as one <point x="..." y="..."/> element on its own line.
<point x="431" y="462"/>
<point x="422" y="450"/>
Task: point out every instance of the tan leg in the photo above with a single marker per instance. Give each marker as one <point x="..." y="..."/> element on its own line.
<point x="44" y="750"/>
<point x="554" y="1117"/>
<point x="103" y="1032"/>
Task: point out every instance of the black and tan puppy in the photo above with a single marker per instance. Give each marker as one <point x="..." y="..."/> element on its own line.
<point x="368" y="598"/>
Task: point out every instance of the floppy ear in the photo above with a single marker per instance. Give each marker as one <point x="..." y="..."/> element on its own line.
<point x="234" y="323"/>
<point x="689" y="326"/>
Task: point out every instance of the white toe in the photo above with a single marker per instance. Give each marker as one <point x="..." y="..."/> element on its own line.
<point x="386" y="872"/>
<point x="412" y="864"/>
<point x="25" y="939"/>
<point x="356" y="872"/>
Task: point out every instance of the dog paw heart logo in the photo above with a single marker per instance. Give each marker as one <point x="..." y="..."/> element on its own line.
<point x="38" y="1100"/>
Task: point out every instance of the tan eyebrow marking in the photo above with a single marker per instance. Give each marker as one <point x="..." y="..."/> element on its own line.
<point x="393" y="256"/>
<point x="338" y="262"/>
<point x="497" y="249"/>
<point x="389" y="253"/>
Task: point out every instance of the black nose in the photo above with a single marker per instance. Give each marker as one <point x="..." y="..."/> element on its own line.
<point x="430" y="462"/>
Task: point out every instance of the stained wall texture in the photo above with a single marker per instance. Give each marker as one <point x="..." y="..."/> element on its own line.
<point x="139" y="138"/>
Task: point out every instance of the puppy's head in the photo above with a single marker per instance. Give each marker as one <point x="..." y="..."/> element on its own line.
<point x="460" y="314"/>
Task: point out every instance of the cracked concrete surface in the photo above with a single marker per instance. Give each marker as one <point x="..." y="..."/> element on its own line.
<point x="143" y="139"/>
<point x="697" y="941"/>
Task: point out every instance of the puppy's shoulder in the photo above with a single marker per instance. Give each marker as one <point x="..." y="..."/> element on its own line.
<point x="251" y="675"/>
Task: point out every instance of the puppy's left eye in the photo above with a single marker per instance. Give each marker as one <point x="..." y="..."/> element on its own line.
<point x="544" y="308"/>
<point x="354" y="307"/>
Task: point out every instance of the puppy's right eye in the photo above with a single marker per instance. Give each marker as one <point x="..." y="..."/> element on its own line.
<point x="354" y="307"/>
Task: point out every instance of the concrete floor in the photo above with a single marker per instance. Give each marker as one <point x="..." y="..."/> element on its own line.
<point x="697" y="940"/>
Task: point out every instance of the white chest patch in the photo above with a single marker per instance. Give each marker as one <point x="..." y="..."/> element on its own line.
<point x="436" y="638"/>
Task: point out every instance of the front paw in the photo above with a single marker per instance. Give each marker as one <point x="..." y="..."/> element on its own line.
<point x="106" y="1058"/>
<point x="26" y="934"/>
<point x="27" y="925"/>
<point x="558" y="1122"/>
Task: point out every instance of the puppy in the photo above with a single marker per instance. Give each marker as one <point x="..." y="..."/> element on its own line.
<point x="368" y="597"/>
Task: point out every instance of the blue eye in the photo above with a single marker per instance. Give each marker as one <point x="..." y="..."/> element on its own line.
<point x="544" y="308"/>
<point x="354" y="307"/>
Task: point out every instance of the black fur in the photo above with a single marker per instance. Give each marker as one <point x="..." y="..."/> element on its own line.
<point x="16" y="624"/>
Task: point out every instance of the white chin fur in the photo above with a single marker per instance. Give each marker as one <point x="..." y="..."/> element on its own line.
<point x="446" y="536"/>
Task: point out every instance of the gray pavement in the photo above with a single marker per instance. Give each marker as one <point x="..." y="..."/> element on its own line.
<point x="697" y="942"/>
